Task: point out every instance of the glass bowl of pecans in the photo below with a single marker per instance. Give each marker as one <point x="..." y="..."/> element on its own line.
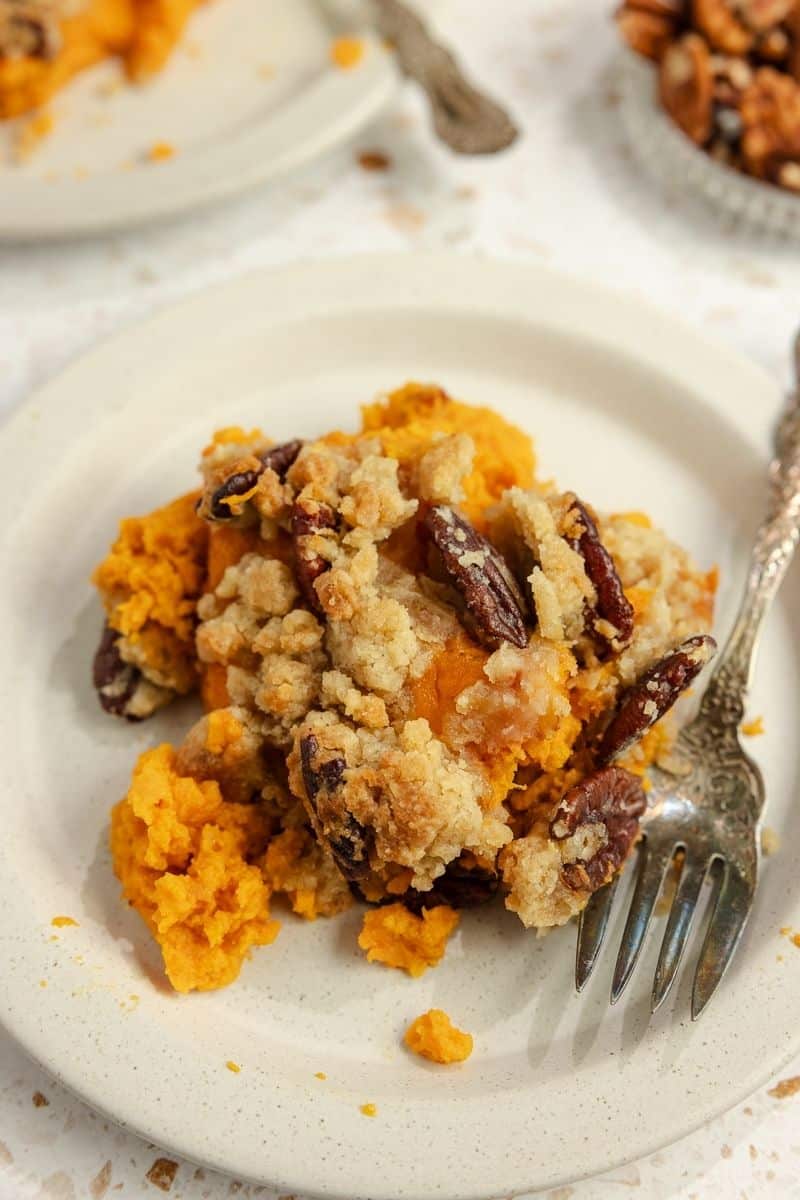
<point x="711" y="97"/>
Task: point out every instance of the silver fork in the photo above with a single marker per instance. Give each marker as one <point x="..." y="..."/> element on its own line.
<point x="710" y="805"/>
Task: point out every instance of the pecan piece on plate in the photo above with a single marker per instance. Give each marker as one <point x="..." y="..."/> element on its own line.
<point x="310" y="518"/>
<point x="654" y="694"/>
<point x="494" y="606"/>
<point x="648" y="26"/>
<point x="686" y="86"/>
<point x="459" y="887"/>
<point x="613" y="606"/>
<point x="342" y="833"/>
<point x="614" y="798"/>
<point x="121" y="687"/>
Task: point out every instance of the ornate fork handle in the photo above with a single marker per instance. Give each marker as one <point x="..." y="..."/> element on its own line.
<point x="466" y="119"/>
<point x="775" y="544"/>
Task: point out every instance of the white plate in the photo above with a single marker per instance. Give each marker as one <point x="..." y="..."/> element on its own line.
<point x="672" y="159"/>
<point x="630" y="408"/>
<point x="249" y="94"/>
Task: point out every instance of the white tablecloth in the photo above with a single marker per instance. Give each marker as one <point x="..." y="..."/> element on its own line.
<point x="570" y="196"/>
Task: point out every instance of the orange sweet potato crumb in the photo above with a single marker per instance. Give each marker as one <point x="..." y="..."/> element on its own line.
<point x="368" y="1110"/>
<point x="184" y="857"/>
<point x="161" y="152"/>
<point x="754" y="728"/>
<point x="233" y="1066"/>
<point x="347" y="52"/>
<point x="433" y="1036"/>
<point x="63" y="922"/>
<point x="396" y="937"/>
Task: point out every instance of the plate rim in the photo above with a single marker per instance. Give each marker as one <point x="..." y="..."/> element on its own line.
<point x="409" y="280"/>
<point x="320" y="118"/>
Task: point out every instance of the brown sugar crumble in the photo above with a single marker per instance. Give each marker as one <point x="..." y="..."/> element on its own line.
<point x="40" y="1100"/>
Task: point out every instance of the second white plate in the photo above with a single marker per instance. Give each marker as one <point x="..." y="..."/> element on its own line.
<point x="249" y="95"/>
<point x="629" y="408"/>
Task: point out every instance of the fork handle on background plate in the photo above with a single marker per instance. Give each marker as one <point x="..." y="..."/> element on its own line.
<point x="463" y="117"/>
<point x="775" y="544"/>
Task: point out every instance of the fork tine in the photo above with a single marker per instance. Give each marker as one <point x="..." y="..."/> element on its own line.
<point x="731" y="910"/>
<point x="592" y="926"/>
<point x="679" y="924"/>
<point x="655" y="860"/>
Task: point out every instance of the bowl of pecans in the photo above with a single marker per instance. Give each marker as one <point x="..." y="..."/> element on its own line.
<point x="711" y="97"/>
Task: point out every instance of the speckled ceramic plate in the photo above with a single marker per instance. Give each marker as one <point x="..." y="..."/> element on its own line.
<point x="249" y="95"/>
<point x="632" y="409"/>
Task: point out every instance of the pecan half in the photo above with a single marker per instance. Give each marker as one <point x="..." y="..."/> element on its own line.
<point x="764" y="15"/>
<point x="479" y="574"/>
<point x="280" y="458"/>
<point x="612" y="797"/>
<point x="612" y="605"/>
<point x="459" y="887"/>
<point x="686" y="86"/>
<point x="344" y="835"/>
<point x="654" y="694"/>
<point x="310" y="517"/>
<point x="648" y="26"/>
<point x="121" y="687"/>
<point x="234" y="487"/>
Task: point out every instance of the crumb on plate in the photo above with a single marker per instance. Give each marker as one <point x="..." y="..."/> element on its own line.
<point x="754" y="728"/>
<point x="395" y="937"/>
<point x="368" y="1110"/>
<point x="347" y="52"/>
<point x="433" y="1036"/>
<point x="161" y="151"/>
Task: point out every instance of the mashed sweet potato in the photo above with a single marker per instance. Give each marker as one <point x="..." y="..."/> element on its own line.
<point x="140" y="32"/>
<point x="405" y="665"/>
<point x="397" y="938"/>
<point x="187" y="863"/>
<point x="150" y="583"/>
